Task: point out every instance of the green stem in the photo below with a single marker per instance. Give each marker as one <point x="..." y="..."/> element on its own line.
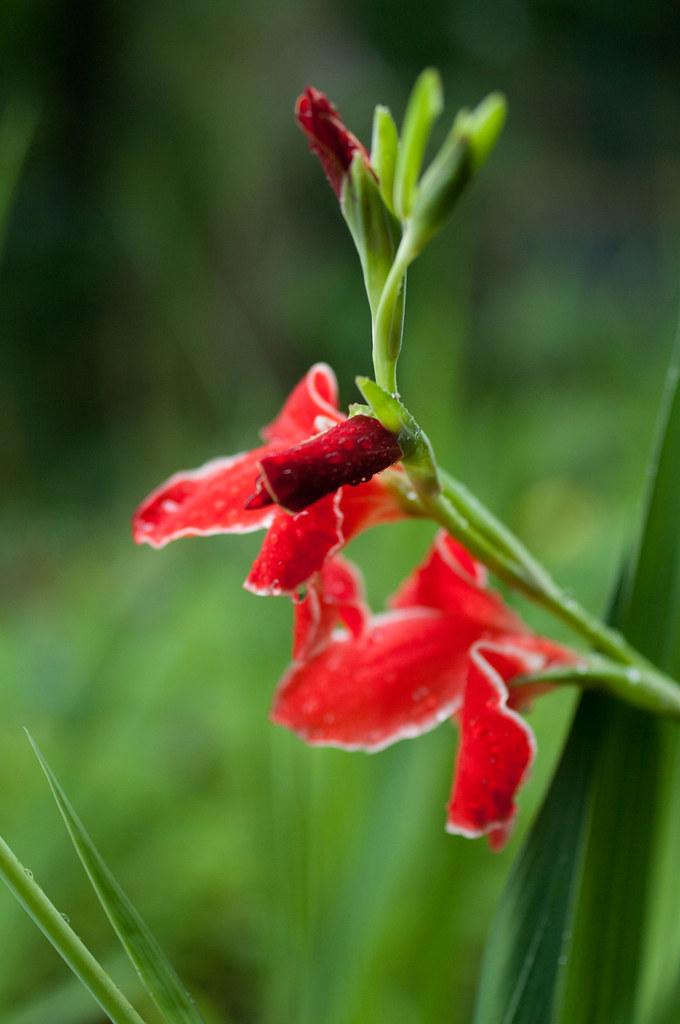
<point x="388" y="323"/>
<point x="507" y="557"/>
<point x="64" y="939"/>
<point x="651" y="690"/>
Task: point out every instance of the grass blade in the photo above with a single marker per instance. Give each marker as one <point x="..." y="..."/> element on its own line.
<point x="58" y="931"/>
<point x="148" y="959"/>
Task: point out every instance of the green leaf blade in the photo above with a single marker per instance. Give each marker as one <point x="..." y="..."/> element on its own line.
<point x="62" y="937"/>
<point x="617" y="917"/>
<point x="149" y="960"/>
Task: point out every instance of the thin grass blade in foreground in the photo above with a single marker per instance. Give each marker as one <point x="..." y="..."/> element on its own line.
<point x="588" y="928"/>
<point x="59" y="932"/>
<point x="154" y="969"/>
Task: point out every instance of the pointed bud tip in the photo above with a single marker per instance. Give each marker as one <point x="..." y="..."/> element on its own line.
<point x="328" y="136"/>
<point x="482" y="126"/>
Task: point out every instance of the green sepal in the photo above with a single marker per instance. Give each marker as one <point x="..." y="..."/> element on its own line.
<point x="375" y="231"/>
<point x="424" y="107"/>
<point x="359" y="409"/>
<point x="384" y="143"/>
<point x="418" y="458"/>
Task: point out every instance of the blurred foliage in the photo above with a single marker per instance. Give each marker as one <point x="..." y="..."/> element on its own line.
<point x="173" y="262"/>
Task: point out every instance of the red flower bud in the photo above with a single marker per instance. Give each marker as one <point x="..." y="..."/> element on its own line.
<point x="350" y="453"/>
<point x="334" y="145"/>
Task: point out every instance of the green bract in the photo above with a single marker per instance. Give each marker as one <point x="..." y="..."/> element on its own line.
<point x="384" y="143"/>
<point x="424" y="107"/>
<point x="375" y="230"/>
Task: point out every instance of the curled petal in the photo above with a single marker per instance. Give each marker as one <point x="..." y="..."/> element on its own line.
<point x="497" y="747"/>
<point x="328" y="137"/>
<point x="451" y="580"/>
<point x="311" y="406"/>
<point x="335" y="594"/>
<point x="399" y="678"/>
<point x="349" y="453"/>
<point x="296" y="546"/>
<point x="203" y="501"/>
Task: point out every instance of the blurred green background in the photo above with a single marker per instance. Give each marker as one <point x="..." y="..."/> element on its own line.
<point x="173" y="261"/>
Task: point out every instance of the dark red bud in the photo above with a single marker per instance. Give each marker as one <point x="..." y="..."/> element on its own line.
<point x="334" y="145"/>
<point x="350" y="453"/>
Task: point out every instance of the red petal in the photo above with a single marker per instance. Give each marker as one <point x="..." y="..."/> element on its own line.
<point x="542" y="653"/>
<point x="203" y="501"/>
<point x="296" y="547"/>
<point x="451" y="580"/>
<point x="312" y="406"/>
<point x="399" y="678"/>
<point x="497" y="746"/>
<point x="349" y="453"/>
<point x="367" y="505"/>
<point x="327" y="135"/>
<point x="335" y="594"/>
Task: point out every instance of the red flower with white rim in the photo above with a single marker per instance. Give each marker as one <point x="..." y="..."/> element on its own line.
<point x="448" y="647"/>
<point x="213" y="498"/>
<point x="328" y="137"/>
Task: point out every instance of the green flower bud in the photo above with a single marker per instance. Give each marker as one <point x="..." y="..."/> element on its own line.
<point x="384" y="144"/>
<point x="464" y="151"/>
<point x="375" y="231"/>
<point x="424" y="107"/>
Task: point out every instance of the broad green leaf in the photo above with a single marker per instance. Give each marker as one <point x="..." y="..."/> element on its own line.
<point x="630" y="878"/>
<point x="424" y="107"/>
<point x="606" y="949"/>
<point x="148" y="959"/>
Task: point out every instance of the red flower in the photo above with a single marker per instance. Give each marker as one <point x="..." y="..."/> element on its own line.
<point x="449" y="647"/>
<point x="212" y="499"/>
<point x="334" y="145"/>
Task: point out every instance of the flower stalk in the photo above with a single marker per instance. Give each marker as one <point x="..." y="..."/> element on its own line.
<point x="447" y="646"/>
